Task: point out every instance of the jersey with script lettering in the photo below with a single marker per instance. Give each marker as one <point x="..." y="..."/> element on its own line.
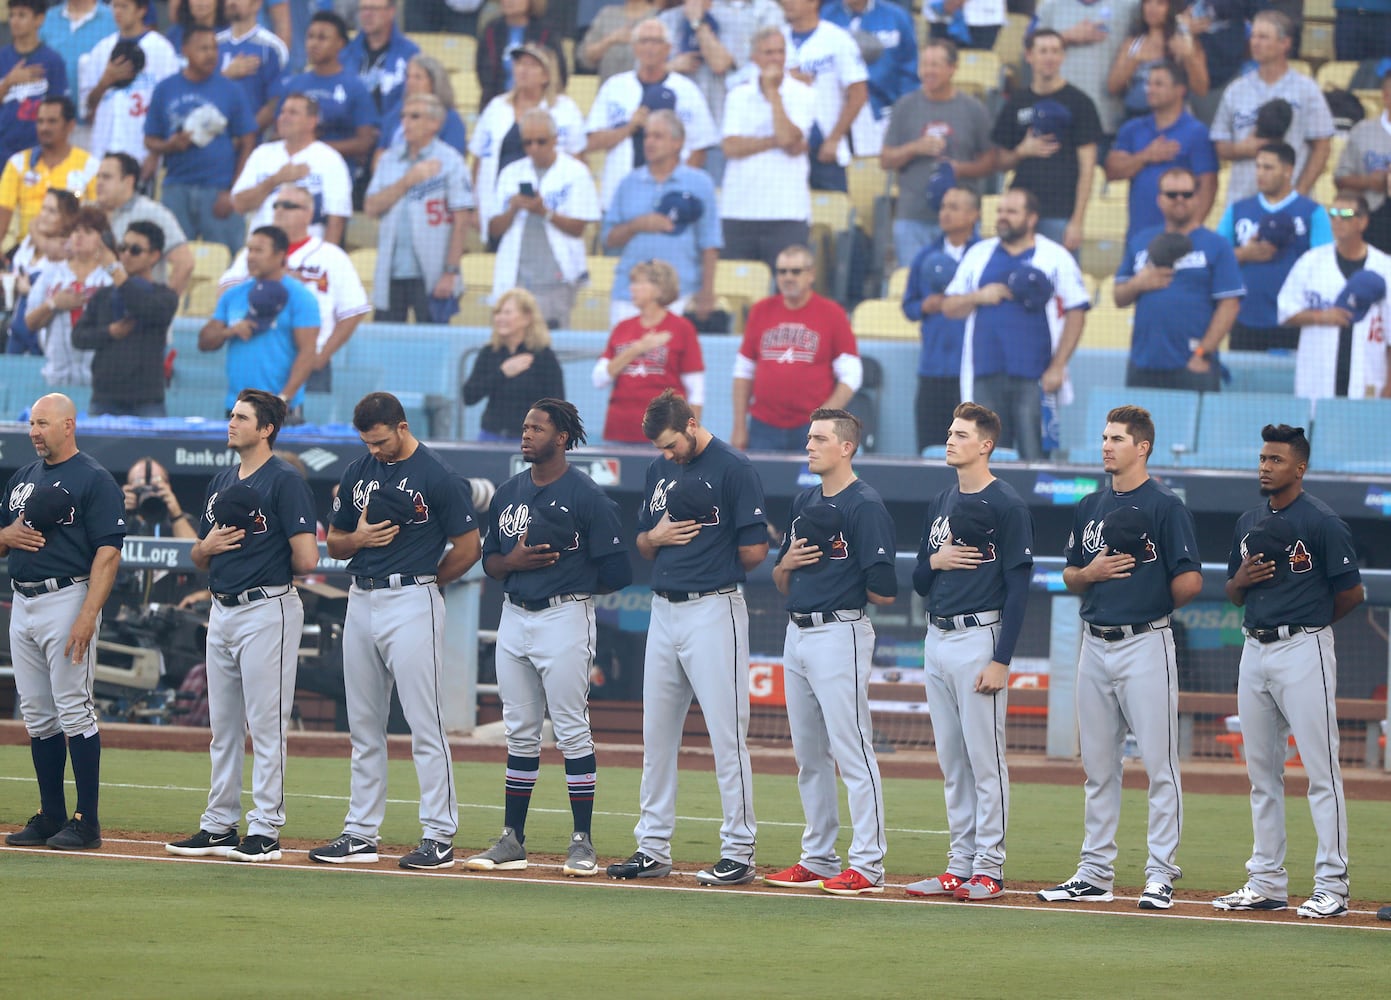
<point x="866" y="539"/>
<point x="598" y="533"/>
<point x="19" y="108"/>
<point x="328" y="181"/>
<point x="326" y="271"/>
<point x="964" y="592"/>
<point x="1241" y="223"/>
<point x="793" y="351"/>
<point x="711" y="559"/>
<point x="97" y="517"/>
<point x="443" y="510"/>
<point x="262" y="558"/>
<point x="1322" y="562"/>
<point x="1172" y="549"/>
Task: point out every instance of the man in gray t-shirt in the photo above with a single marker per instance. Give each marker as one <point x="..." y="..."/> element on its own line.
<point x="1362" y="169"/>
<point x="931" y="125"/>
<point x="1094" y="31"/>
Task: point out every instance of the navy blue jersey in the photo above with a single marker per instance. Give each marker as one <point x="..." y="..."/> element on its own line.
<point x="711" y="559"/>
<point x="1321" y="564"/>
<point x="287" y="509"/>
<point x="865" y="540"/>
<point x="98" y="517"/>
<point x="964" y="592"/>
<point x="1172" y="549"/>
<point x="443" y="510"/>
<point x="598" y="533"/>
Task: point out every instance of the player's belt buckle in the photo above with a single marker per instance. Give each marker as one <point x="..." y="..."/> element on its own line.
<point x="393" y="582"/>
<point x="1265" y="636"/>
<point x="977" y="620"/>
<point x="49" y="586"/>
<point x="682" y="596"/>
<point x="546" y="603"/>
<point x="1115" y="633"/>
<point x="250" y="596"/>
<point x="816" y="618"/>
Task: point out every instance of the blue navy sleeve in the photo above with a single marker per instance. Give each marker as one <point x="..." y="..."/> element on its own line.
<point x="1180" y="541"/>
<point x="747" y="499"/>
<point x="458" y="514"/>
<point x="605" y="528"/>
<point x="1126" y="270"/>
<point x="492" y="544"/>
<point x="296" y="506"/>
<point x="1339" y="556"/>
<point x="923" y="573"/>
<point x="104" y="509"/>
<point x="364" y="108"/>
<point x="1234" y="556"/>
<point x="1072" y="552"/>
<point x="1227" y="281"/>
<point x="798" y="502"/>
<point x="914" y="293"/>
<point x="1016" y="534"/>
<point x="157" y="118"/>
<point x="647" y="504"/>
<point x="874" y="535"/>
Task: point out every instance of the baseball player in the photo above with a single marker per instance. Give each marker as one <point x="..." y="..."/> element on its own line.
<point x="62" y="529"/>
<point x="974" y="565"/>
<point x="397" y="507"/>
<point x="554" y="541"/>
<point x="256" y="532"/>
<point x="1293" y="567"/>
<point x="1133" y="557"/>
<point x="702" y="524"/>
<point x="837" y="553"/>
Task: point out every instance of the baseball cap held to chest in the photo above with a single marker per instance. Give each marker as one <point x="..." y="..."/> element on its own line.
<point x="1126" y="530"/>
<point x="396" y="506"/>
<point x="682" y="208"/>
<point x="658" y="97"/>
<point x="1363" y="290"/>
<point x="972" y="522"/>
<point x="1051" y="118"/>
<point x="1277" y="229"/>
<point x="820" y="523"/>
<point x="236" y="506"/>
<point x="552" y="525"/>
<point x="691" y="499"/>
<point x="1273" y="538"/>
<point x="937" y="270"/>
<point x="265" y="302"/>
<point x="49" y="506"/>
<point x="1030" y="287"/>
<point x="1167" y="249"/>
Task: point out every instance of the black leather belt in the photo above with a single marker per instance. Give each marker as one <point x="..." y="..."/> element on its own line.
<point x="48" y="586"/>
<point x="393" y="582"/>
<point x="952" y="623"/>
<point x="250" y="596"/>
<point x="812" y="619"/>
<point x="1115" y="633"/>
<point x="1265" y="636"/>
<point x="545" y="603"/>
<point x="682" y="596"/>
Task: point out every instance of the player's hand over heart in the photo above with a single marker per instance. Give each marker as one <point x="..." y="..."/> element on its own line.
<point x="223" y="538"/>
<point x="993" y="678"/>
<point x="1254" y="569"/>
<point x="669" y="532"/>
<point x="374" y="536"/>
<point x="955" y="557"/>
<point x="1109" y="565"/>
<point x="18" y="535"/>
<point x="524" y="557"/>
<point x="801" y="553"/>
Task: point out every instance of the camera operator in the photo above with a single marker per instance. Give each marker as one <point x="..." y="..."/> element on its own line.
<point x="152" y="509"/>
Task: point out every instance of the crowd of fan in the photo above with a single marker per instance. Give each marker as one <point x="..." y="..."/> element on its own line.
<point x="268" y="123"/>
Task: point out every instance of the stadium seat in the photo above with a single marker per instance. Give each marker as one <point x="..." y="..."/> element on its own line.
<point x="200" y="299"/>
<point x="883" y="319"/>
<point x="456" y="53"/>
<point x="1175" y="416"/>
<point x="749" y="280"/>
<point x="1319" y="10"/>
<point x="582" y="89"/>
<point x="989" y="208"/>
<point x="477" y="270"/>
<point x="365" y="264"/>
<point x="1302" y="66"/>
<point x="1009" y="43"/>
<point x="1344" y="438"/>
<point x="939" y="451"/>
<point x="830" y="209"/>
<point x="210" y="260"/>
<point x="601" y="274"/>
<point x="591" y="311"/>
<point x="1336" y="75"/>
<point x="1316" y="44"/>
<point x="898" y="284"/>
<point x="474" y="310"/>
<point x="866" y="181"/>
<point x="1371" y="103"/>
<point x="1106" y="219"/>
<point x="361" y="232"/>
<point x="1229" y="428"/>
<point x="977" y="72"/>
<point x="1108" y="325"/>
<point x="1103" y="293"/>
<point x="468" y="94"/>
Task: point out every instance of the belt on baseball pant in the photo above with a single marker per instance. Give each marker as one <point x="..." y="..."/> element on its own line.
<point x="1115" y="633"/>
<point x="1265" y="636"/>
<point x="393" y="582"/>
<point x="251" y="596"/>
<point x="950" y="623"/>
<point x="49" y="586"/>
<point x="546" y="603"/>
<point x="814" y="618"/>
<point x="682" y="596"/>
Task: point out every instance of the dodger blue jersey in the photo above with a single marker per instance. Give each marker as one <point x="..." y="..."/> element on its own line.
<point x="1263" y="279"/>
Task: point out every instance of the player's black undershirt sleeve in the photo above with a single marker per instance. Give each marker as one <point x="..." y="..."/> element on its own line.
<point x="615" y="571"/>
<point x="1012" y="617"/>
<point x="882" y="580"/>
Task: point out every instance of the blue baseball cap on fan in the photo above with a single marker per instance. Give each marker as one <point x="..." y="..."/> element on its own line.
<point x="943" y="179"/>
<point x="1363" y="290"/>
<point x="657" y="97"/>
<point x="1051" y="118"/>
<point x="264" y="303"/>
<point x="937" y="269"/>
<point x="1277" y="229"/>
<point x="1029" y="287"/>
<point x="682" y="208"/>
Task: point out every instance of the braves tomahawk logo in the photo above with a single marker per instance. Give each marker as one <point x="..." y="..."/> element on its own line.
<point x="362" y="491"/>
<point x="658" y="501"/>
<point x="1301" y="560"/>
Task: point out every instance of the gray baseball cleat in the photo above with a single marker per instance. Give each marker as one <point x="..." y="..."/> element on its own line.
<point x="580" y="861"/>
<point x="505" y="855"/>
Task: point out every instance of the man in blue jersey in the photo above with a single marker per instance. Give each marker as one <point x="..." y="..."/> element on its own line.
<point x="379" y="54"/>
<point x="252" y="57"/>
<point x="29" y="72"/>
<point x="1185" y="284"/>
<point x="889" y="44"/>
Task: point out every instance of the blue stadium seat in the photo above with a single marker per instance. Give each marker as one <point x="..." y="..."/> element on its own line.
<point x="939" y="451"/>
<point x="1349" y="435"/>
<point x="1175" y="414"/>
<point x="1260" y="371"/>
<point x="1229" y="433"/>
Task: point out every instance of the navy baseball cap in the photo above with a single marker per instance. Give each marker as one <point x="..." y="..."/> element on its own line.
<point x="442" y="310"/>
<point x="819" y="523"/>
<point x="235" y="507"/>
<point x="682" y="208"/>
<point x="49" y="506"/>
<point x="942" y="180"/>
<point x="1277" y="229"/>
<point x="552" y="525"/>
<point x="1363" y="290"/>
<point x="871" y="48"/>
<point x="658" y="97"/>
<point x="129" y="49"/>
<point x="396" y="506"/>
<point x="972" y="522"/>
<point x="265" y="302"/>
<point x="1051" y="118"/>
<point x="1126" y="529"/>
<point x="691" y="499"/>
<point x="1029" y="287"/>
<point x="937" y="269"/>
<point x="1274" y="118"/>
<point x="1273" y="538"/>
<point x="1167" y="249"/>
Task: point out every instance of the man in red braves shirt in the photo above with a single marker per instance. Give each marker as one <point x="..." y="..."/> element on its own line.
<point x="799" y="354"/>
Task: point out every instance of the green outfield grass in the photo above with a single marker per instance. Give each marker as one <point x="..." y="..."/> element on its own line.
<point x="116" y="928"/>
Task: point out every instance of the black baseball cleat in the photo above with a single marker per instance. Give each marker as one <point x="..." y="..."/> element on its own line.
<point x="346" y="850"/>
<point x="77" y="835"/>
<point x="1384" y="913"/>
<point x="430" y="854"/>
<point x="639" y="866"/>
<point x="727" y="871"/>
<point x="205" y="844"/>
<point x="36" y="832"/>
<point x="255" y="847"/>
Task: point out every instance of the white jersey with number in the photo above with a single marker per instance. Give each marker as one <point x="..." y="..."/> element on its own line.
<point x="326" y="271"/>
<point x="328" y="181"/>
<point x="119" y="123"/>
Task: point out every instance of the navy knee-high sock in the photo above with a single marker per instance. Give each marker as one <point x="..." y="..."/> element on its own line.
<point x="50" y="761"/>
<point x="86" y="773"/>
<point x="521" y="779"/>
<point x="580" y="780"/>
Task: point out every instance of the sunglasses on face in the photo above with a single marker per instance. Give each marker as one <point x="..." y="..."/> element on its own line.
<point x="1343" y="213"/>
<point x="289" y="206"/>
<point x="1179" y="194"/>
<point x="132" y="249"/>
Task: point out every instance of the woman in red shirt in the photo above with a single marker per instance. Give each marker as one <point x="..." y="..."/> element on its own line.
<point x="651" y="352"/>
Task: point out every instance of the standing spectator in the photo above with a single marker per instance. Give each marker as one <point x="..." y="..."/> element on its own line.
<point x="125" y="327"/>
<point x="1013" y="349"/>
<point x="458" y="17"/>
<point x="497" y="136"/>
<point x="200" y="124"/>
<point x="29" y="72"/>
<point x="54" y="163"/>
<point x="1270" y="230"/>
<point x="269" y="324"/>
<point x="1158" y="33"/>
<point x="426" y="75"/>
<point x="253" y="57"/>
<point x="1362" y="168"/>
<point x="321" y="267"/>
<point x="649" y="353"/>
<point x="939" y="364"/>
<point x="665" y="210"/>
<point x="1093" y="32"/>
<point x="59" y="296"/>
<point x="1048" y="136"/>
<point x="297" y="158"/>
<point x="939" y="133"/>
<point x="116" y="197"/>
<point x="1166" y="137"/>
<point x="1341" y="353"/>
<point x="116" y="85"/>
<point x="1234" y="129"/>
<point x="550" y="198"/>
<point x="766" y="204"/>
<point x="421" y="194"/>
<point x="73" y="28"/>
<point x="520" y="23"/>
<point x="288" y="20"/>
<point x="1222" y="26"/>
<point x="517" y="367"/>
<point x="1185" y="285"/>
<point x="889" y="46"/>
<point x="1361" y="29"/>
<point x="825" y="56"/>
<point x="43" y="246"/>
<point x="607" y="46"/>
<point x="973" y="24"/>
<point x="192" y="14"/>
<point x="379" y="54"/>
<point x="625" y="103"/>
<point x="798" y="355"/>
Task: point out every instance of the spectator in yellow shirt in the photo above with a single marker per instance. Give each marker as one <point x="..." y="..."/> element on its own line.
<point x="54" y="163"/>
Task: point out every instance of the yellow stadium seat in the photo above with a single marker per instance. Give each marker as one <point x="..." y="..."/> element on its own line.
<point x="477" y="270"/>
<point x="361" y="232"/>
<point x="200" y="299"/>
<point x="365" y="264"/>
<point x="989" y="208"/>
<point x="1108" y="326"/>
<point x="898" y="284"/>
<point x="1105" y="291"/>
<point x="1318" y="10"/>
<point x="601" y="271"/>
<point x="468" y="94"/>
<point x="1371" y="102"/>
<point x="1317" y="44"/>
<point x="582" y="90"/>
<point x="456" y="53"/>
<point x="1301" y="66"/>
<point x="474" y="310"/>
<point x="830" y="209"/>
<point x="749" y="280"/>
<point x="1105" y="219"/>
<point x="209" y="260"/>
<point x="977" y="72"/>
<point x="867" y="180"/>
<point x="591" y="312"/>
<point x="1335" y="75"/>
<point x="1009" y="43"/>
<point x="882" y="319"/>
<point x="1325" y="190"/>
